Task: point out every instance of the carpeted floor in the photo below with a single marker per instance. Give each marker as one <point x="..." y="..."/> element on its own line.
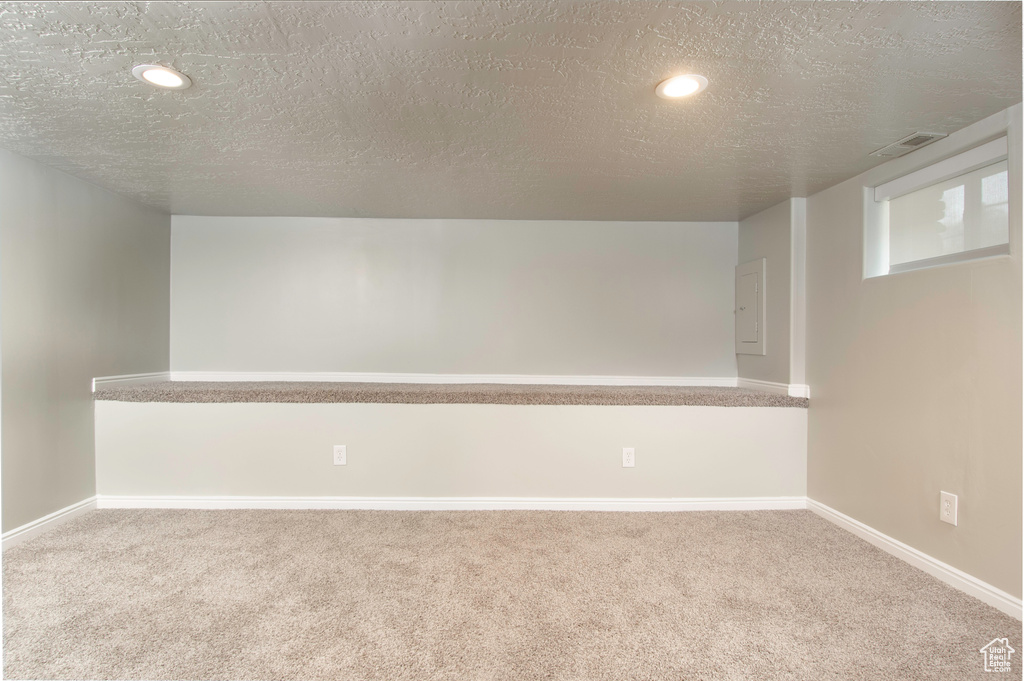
<point x="480" y="595"/>
<point x="444" y="393"/>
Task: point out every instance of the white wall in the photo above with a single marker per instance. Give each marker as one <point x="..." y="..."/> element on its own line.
<point x="916" y="380"/>
<point x="449" y="450"/>
<point x="767" y="235"/>
<point x="452" y="296"/>
<point x="84" y="276"/>
<point x="778" y="234"/>
<point x="798" y="292"/>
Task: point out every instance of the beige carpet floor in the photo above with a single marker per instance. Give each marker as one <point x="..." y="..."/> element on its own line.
<point x="480" y="595"/>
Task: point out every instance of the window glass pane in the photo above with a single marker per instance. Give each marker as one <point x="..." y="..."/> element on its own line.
<point x="961" y="214"/>
<point x="994" y="220"/>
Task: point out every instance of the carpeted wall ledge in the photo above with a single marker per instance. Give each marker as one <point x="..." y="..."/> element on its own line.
<point x="198" y="440"/>
<point x="418" y="393"/>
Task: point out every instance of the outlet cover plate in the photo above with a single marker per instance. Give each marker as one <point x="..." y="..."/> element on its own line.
<point x="340" y="455"/>
<point x="628" y="457"/>
<point x="947" y="508"/>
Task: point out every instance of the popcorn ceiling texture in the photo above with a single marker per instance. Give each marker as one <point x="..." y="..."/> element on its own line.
<point x="509" y="110"/>
<point x="424" y="393"/>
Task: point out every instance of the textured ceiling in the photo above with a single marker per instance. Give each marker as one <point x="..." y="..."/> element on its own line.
<point x="514" y="110"/>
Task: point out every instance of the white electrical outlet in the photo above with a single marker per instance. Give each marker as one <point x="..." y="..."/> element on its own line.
<point x="947" y="508"/>
<point x="340" y="455"/>
<point x="628" y="457"/>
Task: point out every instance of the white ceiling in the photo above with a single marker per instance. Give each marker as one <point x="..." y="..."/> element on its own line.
<point x="514" y="110"/>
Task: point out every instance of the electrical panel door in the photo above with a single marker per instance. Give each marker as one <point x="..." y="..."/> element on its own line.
<point x="750" y="308"/>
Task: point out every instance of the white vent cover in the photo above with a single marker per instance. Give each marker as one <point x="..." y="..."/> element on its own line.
<point x="908" y="144"/>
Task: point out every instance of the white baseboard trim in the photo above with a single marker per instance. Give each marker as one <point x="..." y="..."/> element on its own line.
<point x="955" y="578"/>
<point x="129" y="379"/>
<point x="791" y="389"/>
<point x="766" y="386"/>
<point x="800" y="390"/>
<point x="508" y="379"/>
<point x="453" y="503"/>
<point x="47" y="522"/>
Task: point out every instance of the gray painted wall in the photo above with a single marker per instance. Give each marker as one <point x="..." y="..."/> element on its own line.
<point x="84" y="279"/>
<point x="452" y="296"/>
<point x="767" y="235"/>
<point x="916" y="381"/>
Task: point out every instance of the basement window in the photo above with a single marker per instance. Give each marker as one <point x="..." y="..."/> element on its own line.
<point x="951" y="211"/>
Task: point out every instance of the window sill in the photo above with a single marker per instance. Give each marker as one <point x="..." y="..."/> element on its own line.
<point x="951" y="259"/>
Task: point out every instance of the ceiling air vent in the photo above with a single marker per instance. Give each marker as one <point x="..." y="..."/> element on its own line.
<point x="908" y="144"/>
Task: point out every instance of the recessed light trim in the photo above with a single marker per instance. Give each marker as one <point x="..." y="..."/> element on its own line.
<point x="161" y="76"/>
<point x="678" y="87"/>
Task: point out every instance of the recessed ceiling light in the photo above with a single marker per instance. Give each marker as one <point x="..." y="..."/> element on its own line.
<point x="161" y="76"/>
<point x="681" y="86"/>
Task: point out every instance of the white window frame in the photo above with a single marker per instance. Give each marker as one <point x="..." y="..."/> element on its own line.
<point x="876" y="213"/>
